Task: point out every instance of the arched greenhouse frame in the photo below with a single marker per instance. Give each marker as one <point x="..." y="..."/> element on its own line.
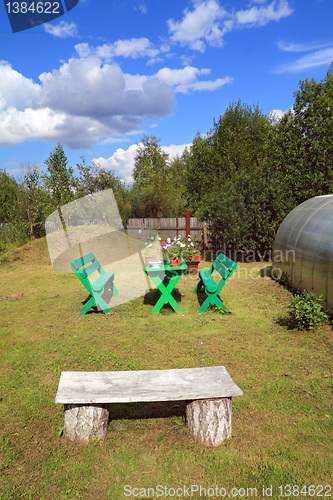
<point x="303" y="248"/>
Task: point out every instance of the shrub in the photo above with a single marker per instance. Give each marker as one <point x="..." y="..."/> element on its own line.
<point x="306" y="311"/>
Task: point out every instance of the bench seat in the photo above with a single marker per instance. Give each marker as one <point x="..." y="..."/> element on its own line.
<point x="208" y="392"/>
<point x="99" y="284"/>
<point x="209" y="282"/>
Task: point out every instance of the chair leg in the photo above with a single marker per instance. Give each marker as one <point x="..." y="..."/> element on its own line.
<point x="91" y="302"/>
<point x="198" y="286"/>
<point x="204" y="306"/>
<point x="214" y="300"/>
<point x="217" y="302"/>
<point x="101" y="304"/>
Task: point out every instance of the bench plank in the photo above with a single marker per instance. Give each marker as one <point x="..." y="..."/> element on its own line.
<point x="146" y="385"/>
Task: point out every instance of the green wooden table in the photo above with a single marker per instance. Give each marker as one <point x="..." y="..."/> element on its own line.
<point x="165" y="278"/>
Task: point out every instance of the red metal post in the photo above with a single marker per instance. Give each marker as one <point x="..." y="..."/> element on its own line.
<point x="188" y="228"/>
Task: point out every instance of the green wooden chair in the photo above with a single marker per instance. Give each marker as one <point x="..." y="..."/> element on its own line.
<point x="83" y="267"/>
<point x="224" y="267"/>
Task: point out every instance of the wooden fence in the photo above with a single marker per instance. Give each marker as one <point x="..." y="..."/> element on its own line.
<point x="167" y="227"/>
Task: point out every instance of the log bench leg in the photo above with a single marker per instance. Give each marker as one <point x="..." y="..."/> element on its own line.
<point x="85" y="422"/>
<point x="209" y="420"/>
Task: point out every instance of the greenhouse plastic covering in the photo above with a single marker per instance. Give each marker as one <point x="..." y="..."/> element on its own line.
<point x="303" y="248"/>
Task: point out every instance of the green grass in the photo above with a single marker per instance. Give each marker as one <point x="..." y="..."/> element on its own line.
<point x="282" y="425"/>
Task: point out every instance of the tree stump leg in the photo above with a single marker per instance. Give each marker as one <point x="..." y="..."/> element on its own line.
<point x="209" y="420"/>
<point x="85" y="422"/>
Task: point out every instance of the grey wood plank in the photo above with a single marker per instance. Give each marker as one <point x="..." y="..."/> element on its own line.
<point x="146" y="385"/>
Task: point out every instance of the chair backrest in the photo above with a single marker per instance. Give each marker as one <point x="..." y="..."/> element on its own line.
<point x="223" y="259"/>
<point x="85" y="265"/>
<point x="220" y="268"/>
<point x="225" y="267"/>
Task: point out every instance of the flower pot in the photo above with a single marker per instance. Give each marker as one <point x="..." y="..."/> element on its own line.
<point x="156" y="263"/>
<point x="192" y="267"/>
<point x="175" y="261"/>
<point x="148" y="260"/>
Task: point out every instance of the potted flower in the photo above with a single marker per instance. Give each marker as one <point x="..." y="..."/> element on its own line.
<point x="173" y="250"/>
<point x="152" y="252"/>
<point x="191" y="256"/>
<point x="177" y="248"/>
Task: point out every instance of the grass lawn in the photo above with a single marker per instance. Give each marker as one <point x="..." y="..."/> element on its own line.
<point x="281" y="426"/>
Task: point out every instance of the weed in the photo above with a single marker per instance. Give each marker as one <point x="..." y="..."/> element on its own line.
<point x="219" y="309"/>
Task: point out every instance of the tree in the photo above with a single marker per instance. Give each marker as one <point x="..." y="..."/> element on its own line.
<point x="247" y="213"/>
<point x="150" y="162"/>
<point x="59" y="180"/>
<point x="8" y="196"/>
<point x="199" y="173"/>
<point x="177" y="170"/>
<point x="238" y="142"/>
<point x="151" y="194"/>
<point x="302" y="146"/>
<point x="35" y="202"/>
<point x="93" y="178"/>
<point x="239" y="139"/>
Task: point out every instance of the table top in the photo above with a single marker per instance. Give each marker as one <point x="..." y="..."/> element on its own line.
<point x="166" y="267"/>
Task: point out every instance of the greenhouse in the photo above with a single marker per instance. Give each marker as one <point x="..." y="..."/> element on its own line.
<point x="303" y="248"/>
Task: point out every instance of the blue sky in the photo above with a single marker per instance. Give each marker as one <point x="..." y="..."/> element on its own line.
<point x="105" y="73"/>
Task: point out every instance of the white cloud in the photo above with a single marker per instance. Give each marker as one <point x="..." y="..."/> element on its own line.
<point x="143" y="9"/>
<point x="78" y="103"/>
<point x="128" y="49"/>
<point x="85" y="87"/>
<point x="185" y="79"/>
<point x="301" y="47"/>
<point x="134" y="48"/>
<point x="46" y="125"/>
<point x="15" y="90"/>
<point x="208" y="22"/>
<point x="275" y="115"/>
<point x="208" y="85"/>
<point x="181" y="80"/>
<point x="322" y="57"/>
<point x="175" y="150"/>
<point x="259" y="16"/>
<point x="62" y="29"/>
<point x="85" y="100"/>
<point x="183" y="76"/>
<point x="122" y="161"/>
<point x="199" y="25"/>
<point x="84" y="50"/>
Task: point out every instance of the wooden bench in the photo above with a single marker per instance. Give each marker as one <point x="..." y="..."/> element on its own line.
<point x="224" y="267"/>
<point x="84" y="267"/>
<point x="207" y="392"/>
